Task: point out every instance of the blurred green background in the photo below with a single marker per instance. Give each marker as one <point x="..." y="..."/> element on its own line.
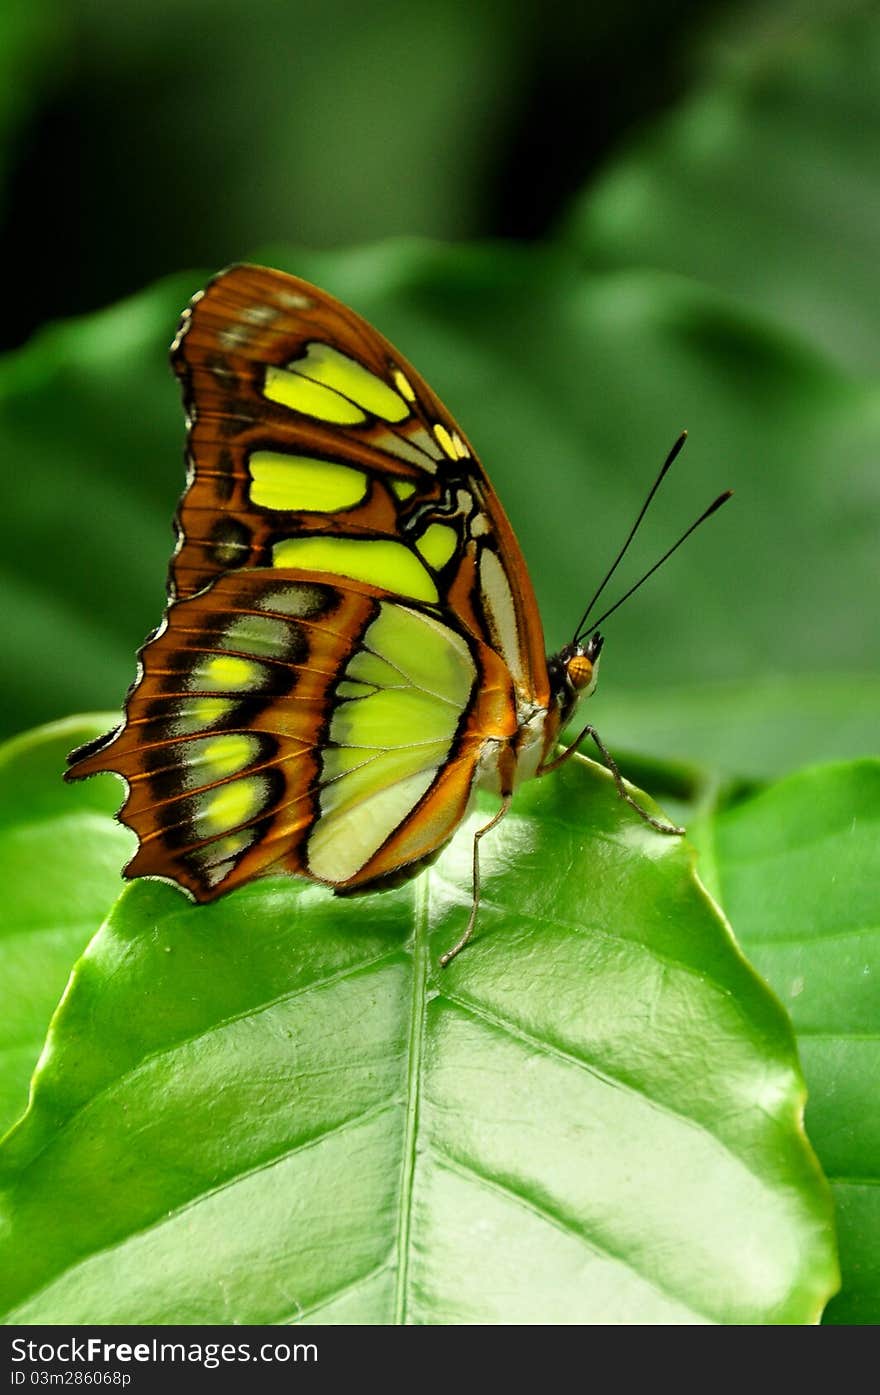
<point x="588" y="229"/>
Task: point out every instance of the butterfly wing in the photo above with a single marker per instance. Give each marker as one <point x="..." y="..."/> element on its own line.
<point x="350" y="619"/>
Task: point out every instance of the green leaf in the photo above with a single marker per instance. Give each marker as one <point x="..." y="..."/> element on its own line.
<point x="572" y="386"/>
<point x="763" y="183"/>
<point x="60" y="861"/>
<point x="798" y="869"/>
<point x="276" y="1108"/>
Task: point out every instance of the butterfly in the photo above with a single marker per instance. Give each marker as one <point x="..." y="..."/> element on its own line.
<point x="352" y="645"/>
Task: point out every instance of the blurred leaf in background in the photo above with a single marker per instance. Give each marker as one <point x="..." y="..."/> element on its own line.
<point x="187" y="132"/>
<point x="764" y="182"/>
<point x="31" y="45"/>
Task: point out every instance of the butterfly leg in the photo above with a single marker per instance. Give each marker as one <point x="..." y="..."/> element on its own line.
<point x="472" y="918"/>
<point x="660" y="824"/>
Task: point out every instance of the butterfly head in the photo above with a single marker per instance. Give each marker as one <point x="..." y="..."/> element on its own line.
<point x="574" y="672"/>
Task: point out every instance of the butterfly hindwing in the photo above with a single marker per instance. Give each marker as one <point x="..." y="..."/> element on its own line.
<point x="282" y="722"/>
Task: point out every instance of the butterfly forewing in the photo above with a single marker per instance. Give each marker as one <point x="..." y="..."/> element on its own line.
<point x="313" y="443"/>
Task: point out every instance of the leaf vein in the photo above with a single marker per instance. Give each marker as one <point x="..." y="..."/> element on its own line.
<point x="580" y="928"/>
<point x="363" y="1116"/>
<point x="331" y="1296"/>
<point x="350" y="971"/>
<point x="604" y="1076"/>
<point x="768" y="941"/>
<point x="563" y="1224"/>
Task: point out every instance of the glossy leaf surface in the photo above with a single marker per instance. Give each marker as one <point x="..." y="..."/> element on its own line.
<point x="798" y="870"/>
<point x="60" y="860"/>
<point x="276" y="1108"/>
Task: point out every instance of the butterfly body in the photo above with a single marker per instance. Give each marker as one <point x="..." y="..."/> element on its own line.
<point x="352" y="645"/>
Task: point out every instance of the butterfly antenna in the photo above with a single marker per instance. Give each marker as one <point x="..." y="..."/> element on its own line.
<point x="722" y="499"/>
<point x="582" y="623"/>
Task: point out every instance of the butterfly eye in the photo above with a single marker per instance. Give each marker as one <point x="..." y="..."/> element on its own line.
<point x="580" y="671"/>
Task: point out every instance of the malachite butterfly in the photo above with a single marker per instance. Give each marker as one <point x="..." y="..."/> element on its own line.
<point x="352" y="644"/>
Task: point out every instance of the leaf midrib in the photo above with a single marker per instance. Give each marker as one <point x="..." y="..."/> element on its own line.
<point x="415" y="1050"/>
